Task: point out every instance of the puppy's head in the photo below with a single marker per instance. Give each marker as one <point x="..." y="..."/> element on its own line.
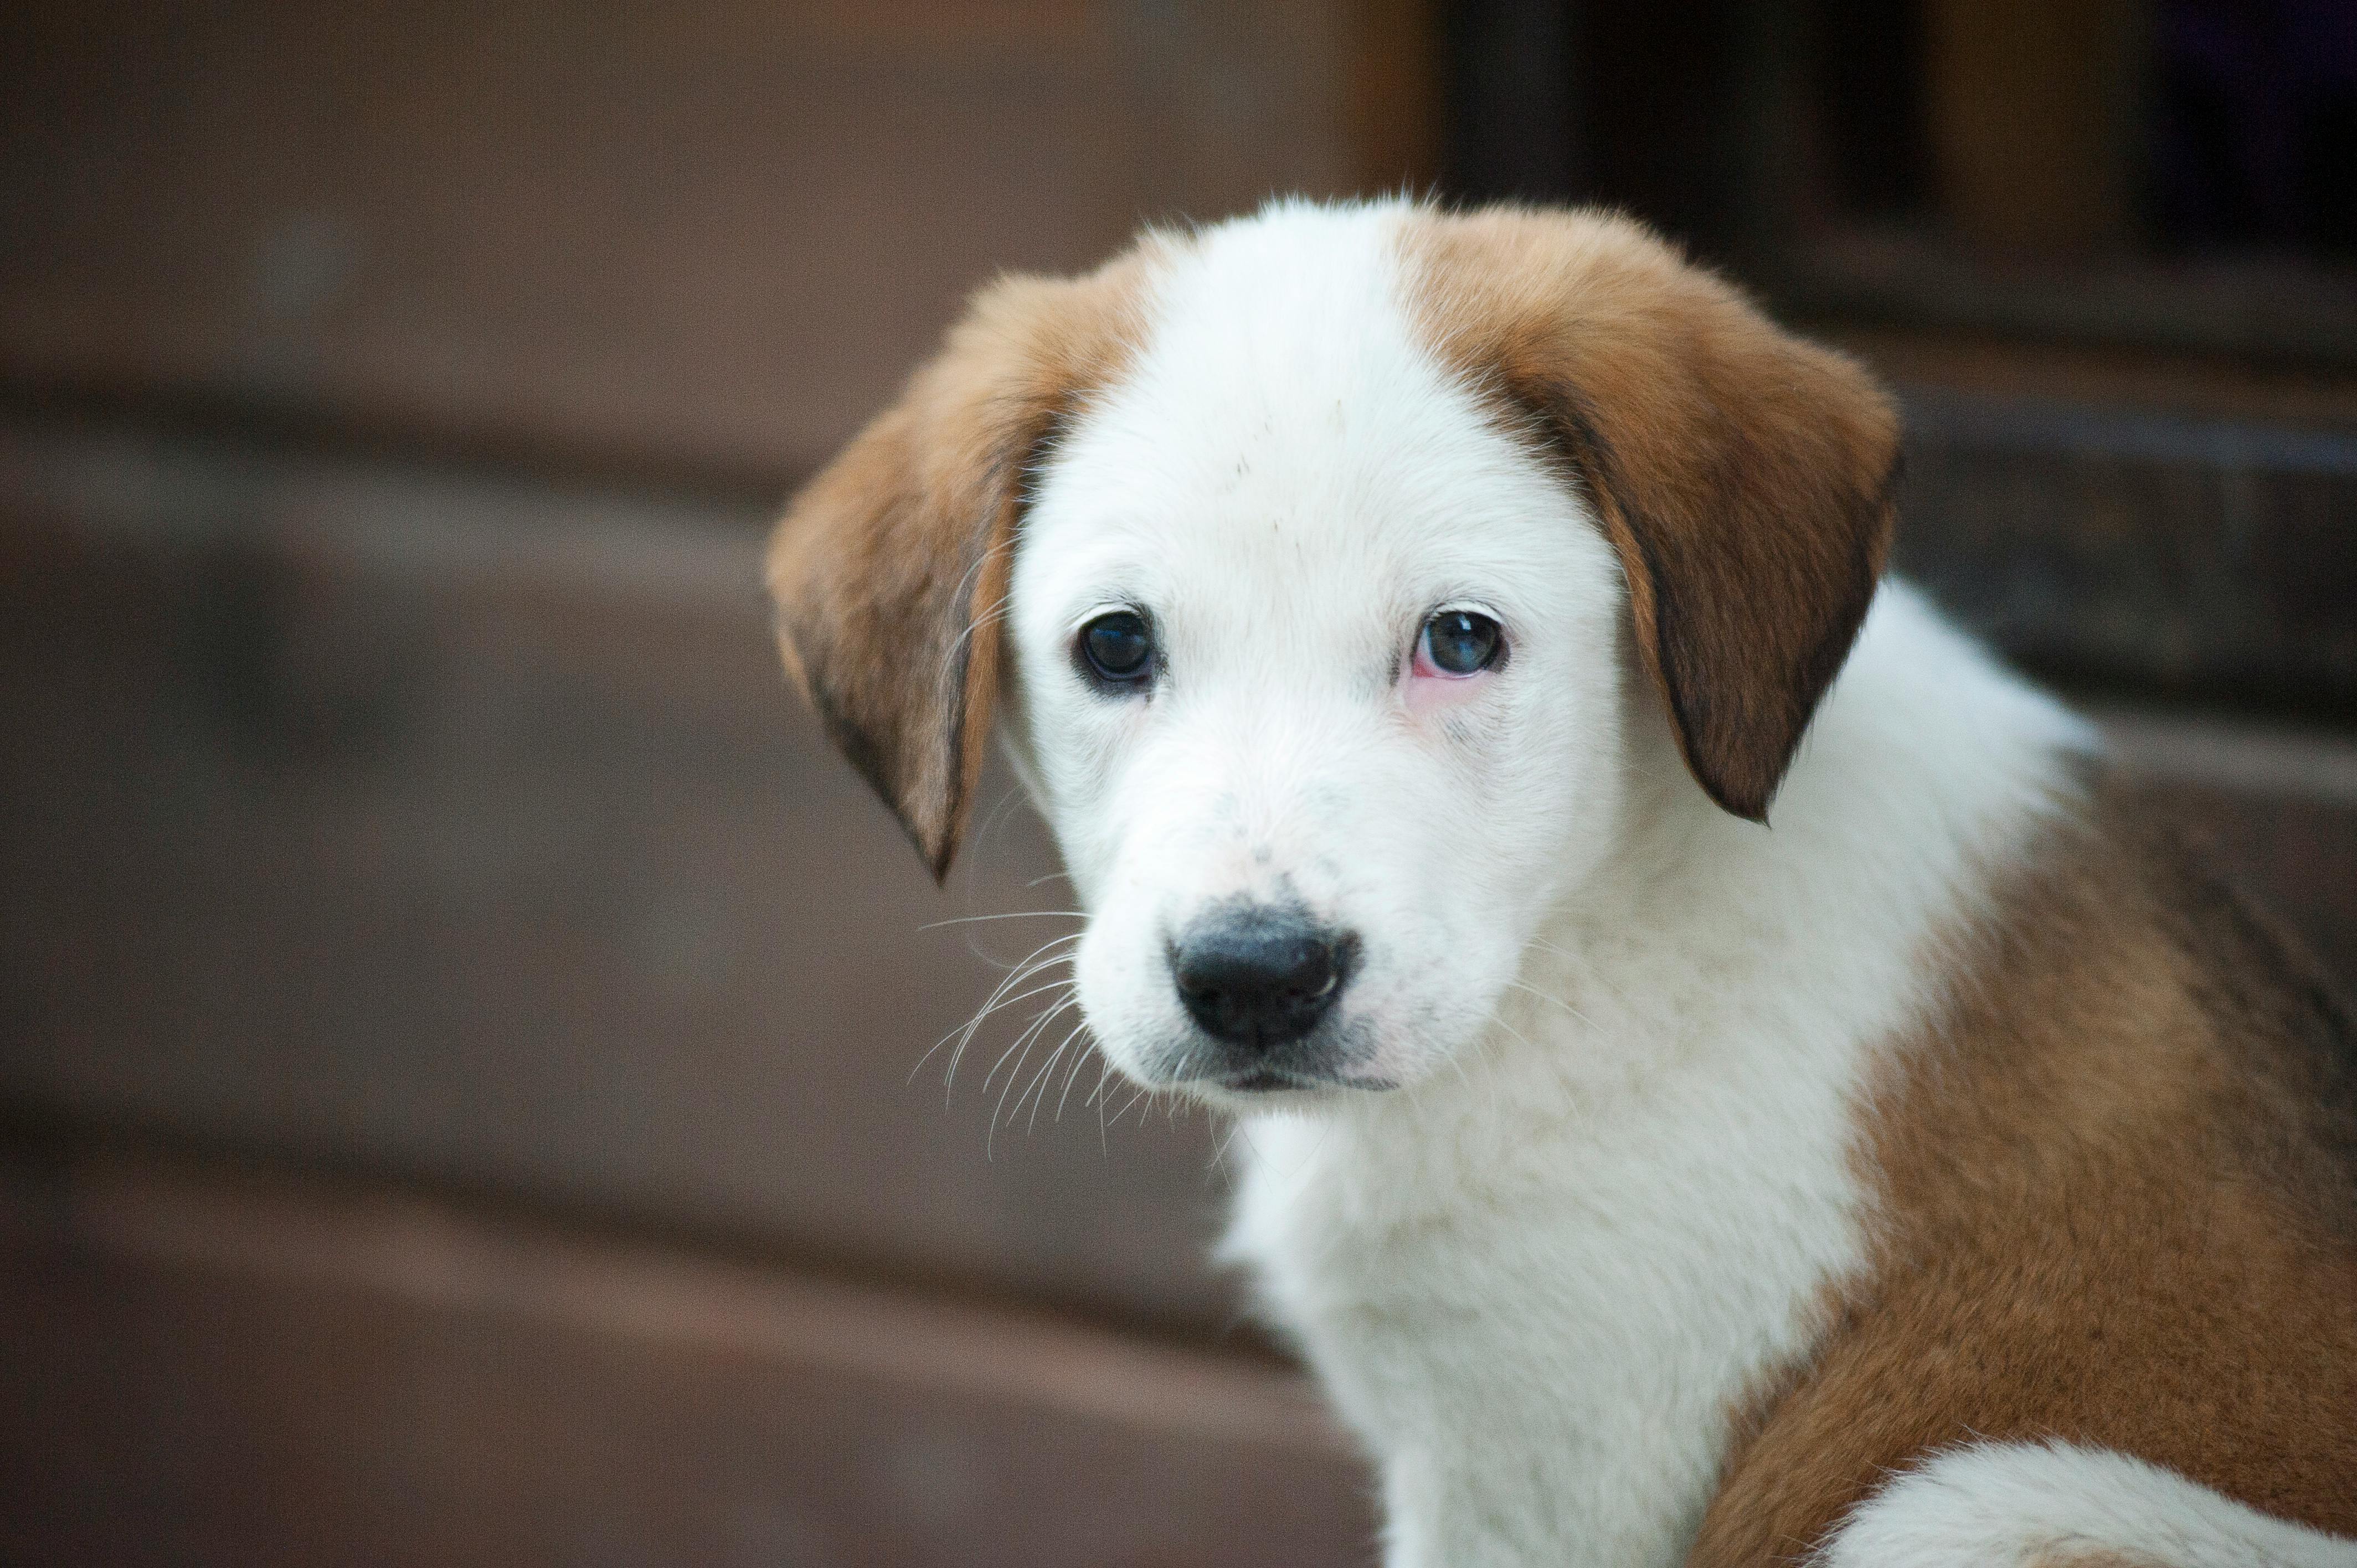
<point x="1315" y="566"/>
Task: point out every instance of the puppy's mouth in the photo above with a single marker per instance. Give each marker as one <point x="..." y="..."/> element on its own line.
<point x="1333" y="1059"/>
<point x="1274" y="1080"/>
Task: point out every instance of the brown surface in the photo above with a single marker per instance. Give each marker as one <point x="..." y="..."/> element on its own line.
<point x="469" y="829"/>
<point x="715" y="234"/>
<point x="2192" y="386"/>
<point x="2276" y="310"/>
<point x="2144" y="548"/>
<point x="202" y="1368"/>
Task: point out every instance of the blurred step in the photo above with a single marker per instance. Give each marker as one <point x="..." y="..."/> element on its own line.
<point x="722" y="254"/>
<point x="465" y="826"/>
<point x="204" y="1366"/>
<point x="2153" y="549"/>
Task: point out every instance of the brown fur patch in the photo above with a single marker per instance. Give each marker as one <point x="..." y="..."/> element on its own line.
<point x="1741" y="475"/>
<point x="2118" y="1180"/>
<point x="889" y="570"/>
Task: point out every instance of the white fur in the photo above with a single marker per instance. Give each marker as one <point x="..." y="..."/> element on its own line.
<point x="2023" y="1505"/>
<point x="1628" y="1028"/>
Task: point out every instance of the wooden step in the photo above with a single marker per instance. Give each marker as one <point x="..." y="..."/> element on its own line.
<point x="2171" y="553"/>
<point x="201" y="1365"/>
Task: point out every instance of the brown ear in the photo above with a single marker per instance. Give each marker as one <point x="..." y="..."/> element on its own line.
<point x="889" y="570"/>
<point x="1742" y="475"/>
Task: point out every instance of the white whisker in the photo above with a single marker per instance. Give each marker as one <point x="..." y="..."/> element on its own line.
<point x="1022" y="1046"/>
<point x="1079" y="1058"/>
<point x="1559" y="1000"/>
<point x="1097" y="1099"/>
<point x="1045" y="1068"/>
<point x="1030" y="1031"/>
<point x="1219" y="1149"/>
<point x="1008" y="1001"/>
<point x="1031" y="966"/>
<point x="1019" y="915"/>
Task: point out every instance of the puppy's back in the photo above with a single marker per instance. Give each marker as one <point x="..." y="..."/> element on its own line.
<point x="2119" y="1184"/>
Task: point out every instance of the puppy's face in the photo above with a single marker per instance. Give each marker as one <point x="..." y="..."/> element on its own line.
<point x="1317" y="560"/>
<point x="1315" y="677"/>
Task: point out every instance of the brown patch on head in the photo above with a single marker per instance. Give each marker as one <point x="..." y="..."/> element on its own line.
<point x="889" y="570"/>
<point x="2118" y="1182"/>
<point x="1742" y="475"/>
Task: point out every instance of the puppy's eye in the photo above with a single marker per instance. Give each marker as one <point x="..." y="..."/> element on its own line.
<point x="1118" y="649"/>
<point x="1460" y="642"/>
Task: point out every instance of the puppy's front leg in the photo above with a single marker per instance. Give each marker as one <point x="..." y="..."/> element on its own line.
<point x="1437" y="1516"/>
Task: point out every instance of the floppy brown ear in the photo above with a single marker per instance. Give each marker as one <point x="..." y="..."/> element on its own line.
<point x="889" y="570"/>
<point x="1743" y="476"/>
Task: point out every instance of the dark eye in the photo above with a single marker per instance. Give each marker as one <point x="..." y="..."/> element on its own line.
<point x="1118" y="649"/>
<point x="1460" y="642"/>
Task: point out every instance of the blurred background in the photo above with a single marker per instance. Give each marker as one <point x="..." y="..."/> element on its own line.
<point x="460" y="1030"/>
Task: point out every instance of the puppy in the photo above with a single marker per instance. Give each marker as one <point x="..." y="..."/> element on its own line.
<point x="1407" y="621"/>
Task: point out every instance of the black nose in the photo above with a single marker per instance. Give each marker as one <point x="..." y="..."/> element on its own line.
<point x="1259" y="977"/>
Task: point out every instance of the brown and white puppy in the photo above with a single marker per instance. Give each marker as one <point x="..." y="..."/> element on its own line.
<point x="1406" y="622"/>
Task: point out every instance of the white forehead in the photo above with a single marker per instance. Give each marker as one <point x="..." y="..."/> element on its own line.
<point x="1282" y="402"/>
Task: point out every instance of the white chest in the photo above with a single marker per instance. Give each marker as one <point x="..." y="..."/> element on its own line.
<point x="1542" y="1326"/>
